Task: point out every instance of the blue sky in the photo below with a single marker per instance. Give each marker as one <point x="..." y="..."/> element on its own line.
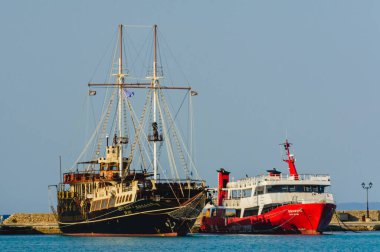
<point x="263" y="69"/>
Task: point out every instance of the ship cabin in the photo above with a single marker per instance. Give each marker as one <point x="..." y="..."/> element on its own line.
<point x="108" y="170"/>
<point x="258" y="195"/>
<point x="101" y="188"/>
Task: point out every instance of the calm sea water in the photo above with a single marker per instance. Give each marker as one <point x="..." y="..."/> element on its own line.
<point x="365" y="241"/>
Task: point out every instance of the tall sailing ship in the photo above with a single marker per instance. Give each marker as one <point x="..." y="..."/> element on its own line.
<point x="129" y="188"/>
<point x="274" y="203"/>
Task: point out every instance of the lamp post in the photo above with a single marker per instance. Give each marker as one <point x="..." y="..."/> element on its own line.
<point x="367" y="187"/>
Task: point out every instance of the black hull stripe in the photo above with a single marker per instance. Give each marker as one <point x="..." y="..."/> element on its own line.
<point x="117" y="217"/>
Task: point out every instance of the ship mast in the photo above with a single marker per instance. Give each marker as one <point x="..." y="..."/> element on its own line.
<point x="154" y="85"/>
<point x="120" y="82"/>
<point x="290" y="160"/>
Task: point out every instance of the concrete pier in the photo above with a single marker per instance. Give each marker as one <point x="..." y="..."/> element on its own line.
<point x="30" y="223"/>
<point x="355" y="220"/>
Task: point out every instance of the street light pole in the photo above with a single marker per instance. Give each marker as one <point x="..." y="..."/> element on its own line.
<point x="366" y="188"/>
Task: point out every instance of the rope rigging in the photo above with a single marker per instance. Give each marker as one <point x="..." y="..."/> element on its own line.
<point x="138" y="131"/>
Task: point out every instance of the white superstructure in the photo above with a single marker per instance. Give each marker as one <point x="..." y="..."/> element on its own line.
<point x="257" y="195"/>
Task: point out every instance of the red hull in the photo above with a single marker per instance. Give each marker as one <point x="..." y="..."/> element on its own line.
<point x="293" y="218"/>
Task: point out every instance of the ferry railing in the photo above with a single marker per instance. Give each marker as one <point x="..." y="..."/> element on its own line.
<point x="285" y="177"/>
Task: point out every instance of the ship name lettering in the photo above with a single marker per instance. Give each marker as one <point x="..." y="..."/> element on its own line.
<point x="131" y="208"/>
<point x="146" y="205"/>
<point x="127" y="212"/>
<point x="294" y="212"/>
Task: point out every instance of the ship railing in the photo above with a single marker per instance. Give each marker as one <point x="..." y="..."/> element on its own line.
<point x="81" y="176"/>
<point x="66" y="194"/>
<point x="126" y="188"/>
<point x="284" y="177"/>
<point x="192" y="182"/>
<point x="315" y="177"/>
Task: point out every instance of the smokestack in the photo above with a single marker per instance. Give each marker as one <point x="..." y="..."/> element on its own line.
<point x="223" y="179"/>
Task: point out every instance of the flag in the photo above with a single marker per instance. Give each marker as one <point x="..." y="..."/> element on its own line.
<point x="193" y="93"/>
<point x="91" y="92"/>
<point x="129" y="93"/>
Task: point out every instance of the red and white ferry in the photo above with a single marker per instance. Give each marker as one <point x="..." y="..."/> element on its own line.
<point x="272" y="203"/>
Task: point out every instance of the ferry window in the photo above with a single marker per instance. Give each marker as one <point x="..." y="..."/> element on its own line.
<point x="259" y="190"/>
<point x="296" y="188"/>
<point x="271" y="189"/>
<point x="113" y="168"/>
<point x="321" y="189"/>
<point x="250" y="212"/>
<point x="315" y="188"/>
<point x="234" y="194"/>
<point x="230" y="212"/>
<point x="238" y="193"/>
<point x="238" y="211"/>
<point x="299" y="188"/>
<point x="247" y="192"/>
